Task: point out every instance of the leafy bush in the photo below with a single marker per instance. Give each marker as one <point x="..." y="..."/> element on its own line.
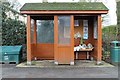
<point x="109" y="33"/>
<point x="13" y="32"/>
<point x="118" y="19"/>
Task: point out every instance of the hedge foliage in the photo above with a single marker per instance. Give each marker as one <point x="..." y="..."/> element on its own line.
<point x="13" y="30"/>
<point x="118" y="19"/>
<point x="109" y="33"/>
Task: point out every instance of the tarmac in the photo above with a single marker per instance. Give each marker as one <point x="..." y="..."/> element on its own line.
<point x="81" y="70"/>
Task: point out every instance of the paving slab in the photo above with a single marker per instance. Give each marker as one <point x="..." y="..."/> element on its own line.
<point x="78" y="63"/>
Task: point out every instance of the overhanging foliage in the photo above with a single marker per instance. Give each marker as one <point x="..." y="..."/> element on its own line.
<point x="118" y="19"/>
<point x="13" y="30"/>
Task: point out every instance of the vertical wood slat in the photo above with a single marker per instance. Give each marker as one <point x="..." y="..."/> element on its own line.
<point x="28" y="38"/>
<point x="56" y="38"/>
<point x="72" y="37"/>
<point x="35" y="33"/>
<point x="99" y="41"/>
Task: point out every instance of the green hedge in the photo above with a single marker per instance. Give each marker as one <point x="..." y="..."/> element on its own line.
<point x="109" y="34"/>
<point x="118" y="19"/>
<point x="13" y="32"/>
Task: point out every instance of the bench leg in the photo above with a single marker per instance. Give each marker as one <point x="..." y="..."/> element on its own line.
<point x="76" y="55"/>
<point x="88" y="55"/>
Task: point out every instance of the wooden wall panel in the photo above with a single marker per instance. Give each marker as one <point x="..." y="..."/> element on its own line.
<point x="76" y="42"/>
<point x="95" y="49"/>
<point x="79" y="28"/>
<point x="64" y="54"/>
<point x="81" y="56"/>
<point x="33" y="49"/>
<point x="43" y="51"/>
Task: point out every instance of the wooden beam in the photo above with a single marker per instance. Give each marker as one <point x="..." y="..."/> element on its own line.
<point x="56" y="39"/>
<point x="72" y="38"/>
<point x="99" y="41"/>
<point x="28" y="39"/>
<point x="65" y="12"/>
<point x="35" y="33"/>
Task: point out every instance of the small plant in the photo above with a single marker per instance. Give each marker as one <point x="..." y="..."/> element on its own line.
<point x="81" y="40"/>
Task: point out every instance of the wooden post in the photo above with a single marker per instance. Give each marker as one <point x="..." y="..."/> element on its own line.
<point x="28" y="40"/>
<point x="35" y="33"/>
<point x="55" y="39"/>
<point x="72" y="38"/>
<point x="99" y="41"/>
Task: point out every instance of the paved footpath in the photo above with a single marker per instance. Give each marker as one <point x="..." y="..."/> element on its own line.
<point x="11" y="71"/>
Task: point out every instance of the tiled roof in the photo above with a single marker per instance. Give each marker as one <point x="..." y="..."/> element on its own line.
<point x="64" y="6"/>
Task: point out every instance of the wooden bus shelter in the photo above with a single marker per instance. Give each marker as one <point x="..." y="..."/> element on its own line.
<point x="51" y="28"/>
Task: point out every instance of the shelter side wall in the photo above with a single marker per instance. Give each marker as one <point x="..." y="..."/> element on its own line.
<point x="43" y="51"/>
<point x="95" y="49"/>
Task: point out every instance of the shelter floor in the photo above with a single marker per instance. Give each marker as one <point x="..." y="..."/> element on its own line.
<point x="50" y="63"/>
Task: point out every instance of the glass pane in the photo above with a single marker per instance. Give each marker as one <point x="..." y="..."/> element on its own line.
<point x="45" y="31"/>
<point x="64" y="30"/>
<point x="32" y="30"/>
<point x="95" y="28"/>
